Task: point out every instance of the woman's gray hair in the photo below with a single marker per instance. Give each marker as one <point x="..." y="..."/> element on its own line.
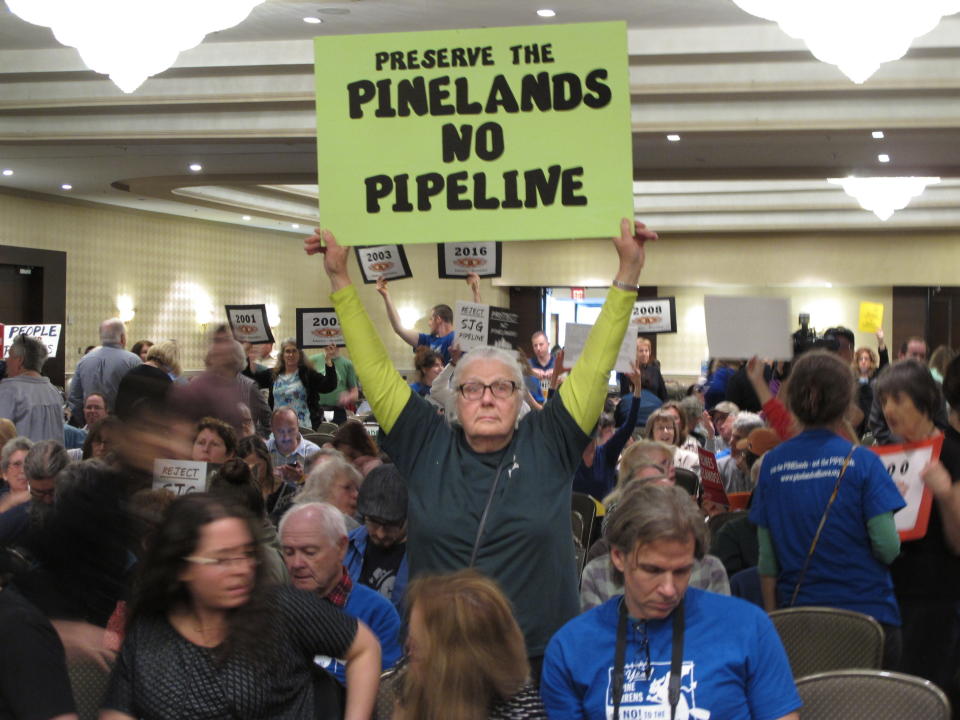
<point x="316" y="488"/>
<point x="45" y="460"/>
<point x="641" y="454"/>
<point x="31" y="352"/>
<point x="10" y="447"/>
<point x="648" y="512"/>
<point x="507" y="357"/>
<point x="328" y="519"/>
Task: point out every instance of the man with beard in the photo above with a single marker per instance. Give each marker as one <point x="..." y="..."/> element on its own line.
<point x="42" y="464"/>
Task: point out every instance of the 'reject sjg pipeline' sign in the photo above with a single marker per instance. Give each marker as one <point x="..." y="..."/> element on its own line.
<point x="496" y="134"/>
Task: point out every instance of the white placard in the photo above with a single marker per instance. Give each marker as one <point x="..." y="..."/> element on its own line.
<point x="905" y="464"/>
<point x="741" y="327"/>
<point x="249" y="323"/>
<point x="654" y="315"/>
<point x="477" y="325"/>
<point x="470" y="323"/>
<point x="459" y="259"/>
<point x="575" y="336"/>
<point x="386" y="261"/>
<point x="318" y="327"/>
<point x="180" y="476"/>
<point x="49" y="335"/>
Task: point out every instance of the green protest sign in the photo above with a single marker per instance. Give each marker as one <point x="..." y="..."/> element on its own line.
<point x="514" y="133"/>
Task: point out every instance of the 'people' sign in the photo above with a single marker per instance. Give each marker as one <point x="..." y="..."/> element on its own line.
<point x="49" y="335"/>
<point x="496" y="134"/>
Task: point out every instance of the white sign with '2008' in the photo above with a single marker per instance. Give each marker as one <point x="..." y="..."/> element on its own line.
<point x="656" y="315"/>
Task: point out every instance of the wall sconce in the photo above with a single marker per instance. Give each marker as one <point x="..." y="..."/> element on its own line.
<point x="408" y="315"/>
<point x="203" y="310"/>
<point x="273" y="314"/>
<point x="125" y="308"/>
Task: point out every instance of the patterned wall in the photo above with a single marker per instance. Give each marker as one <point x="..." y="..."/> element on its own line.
<point x="174" y="269"/>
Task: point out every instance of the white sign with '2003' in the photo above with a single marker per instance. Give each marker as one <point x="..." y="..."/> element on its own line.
<point x="386" y="261"/>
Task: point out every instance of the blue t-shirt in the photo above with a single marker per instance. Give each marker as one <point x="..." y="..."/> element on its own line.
<point x="420" y="389"/>
<point x="734" y="665"/>
<point x="381" y="617"/>
<point x="438" y="343"/>
<point x="796" y="481"/>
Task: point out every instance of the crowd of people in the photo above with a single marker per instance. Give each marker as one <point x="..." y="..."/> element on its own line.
<point x="423" y="565"/>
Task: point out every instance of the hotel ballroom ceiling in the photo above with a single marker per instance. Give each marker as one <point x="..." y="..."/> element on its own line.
<point x="762" y="123"/>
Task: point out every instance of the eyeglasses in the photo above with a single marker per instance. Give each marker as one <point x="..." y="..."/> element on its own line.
<point x="39" y="494"/>
<point x="500" y="389"/>
<point x="222" y="563"/>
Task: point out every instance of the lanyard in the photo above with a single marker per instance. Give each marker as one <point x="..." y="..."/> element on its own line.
<point x="676" y="659"/>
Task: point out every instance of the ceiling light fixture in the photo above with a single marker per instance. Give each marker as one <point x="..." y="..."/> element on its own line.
<point x="546" y="12"/>
<point x="130" y="41"/>
<point x="295" y="226"/>
<point x="855" y="36"/>
<point x="66" y="186"/>
<point x="883" y="196"/>
<point x="312" y="20"/>
<point x="673" y="138"/>
<point x="8" y="172"/>
<point x="247" y="217"/>
<point x="883" y="157"/>
<point x="196" y="167"/>
<point x="877" y="134"/>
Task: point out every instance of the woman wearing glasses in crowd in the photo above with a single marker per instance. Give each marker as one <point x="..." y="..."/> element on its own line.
<point x="486" y="488"/>
<point x="208" y="639"/>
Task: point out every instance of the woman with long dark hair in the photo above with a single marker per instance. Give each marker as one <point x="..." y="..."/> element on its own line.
<point x="207" y="639"/>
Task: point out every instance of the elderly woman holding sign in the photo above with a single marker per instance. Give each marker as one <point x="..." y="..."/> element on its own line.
<point x="486" y="489"/>
<point x="926" y="575"/>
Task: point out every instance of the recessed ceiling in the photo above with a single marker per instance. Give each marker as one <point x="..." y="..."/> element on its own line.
<point x="762" y="123"/>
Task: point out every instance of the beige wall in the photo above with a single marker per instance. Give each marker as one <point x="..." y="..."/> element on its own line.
<point x="172" y="267"/>
<point x="680" y="354"/>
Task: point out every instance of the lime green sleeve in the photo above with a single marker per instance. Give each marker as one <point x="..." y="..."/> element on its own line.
<point x="884" y="538"/>
<point x="382" y="384"/>
<point x="585" y="389"/>
<point x="767" y="564"/>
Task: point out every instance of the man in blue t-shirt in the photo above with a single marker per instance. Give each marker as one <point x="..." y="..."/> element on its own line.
<point x="441" y="325"/>
<point x="732" y="664"/>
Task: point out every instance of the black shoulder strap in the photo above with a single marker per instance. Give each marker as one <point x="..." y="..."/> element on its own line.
<point x="508" y="453"/>
<point x="619" y="659"/>
<point x="676" y="660"/>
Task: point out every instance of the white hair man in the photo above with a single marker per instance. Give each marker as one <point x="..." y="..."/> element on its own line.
<point x="27" y="398"/>
<point x="101" y="369"/>
<point x="313" y="538"/>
